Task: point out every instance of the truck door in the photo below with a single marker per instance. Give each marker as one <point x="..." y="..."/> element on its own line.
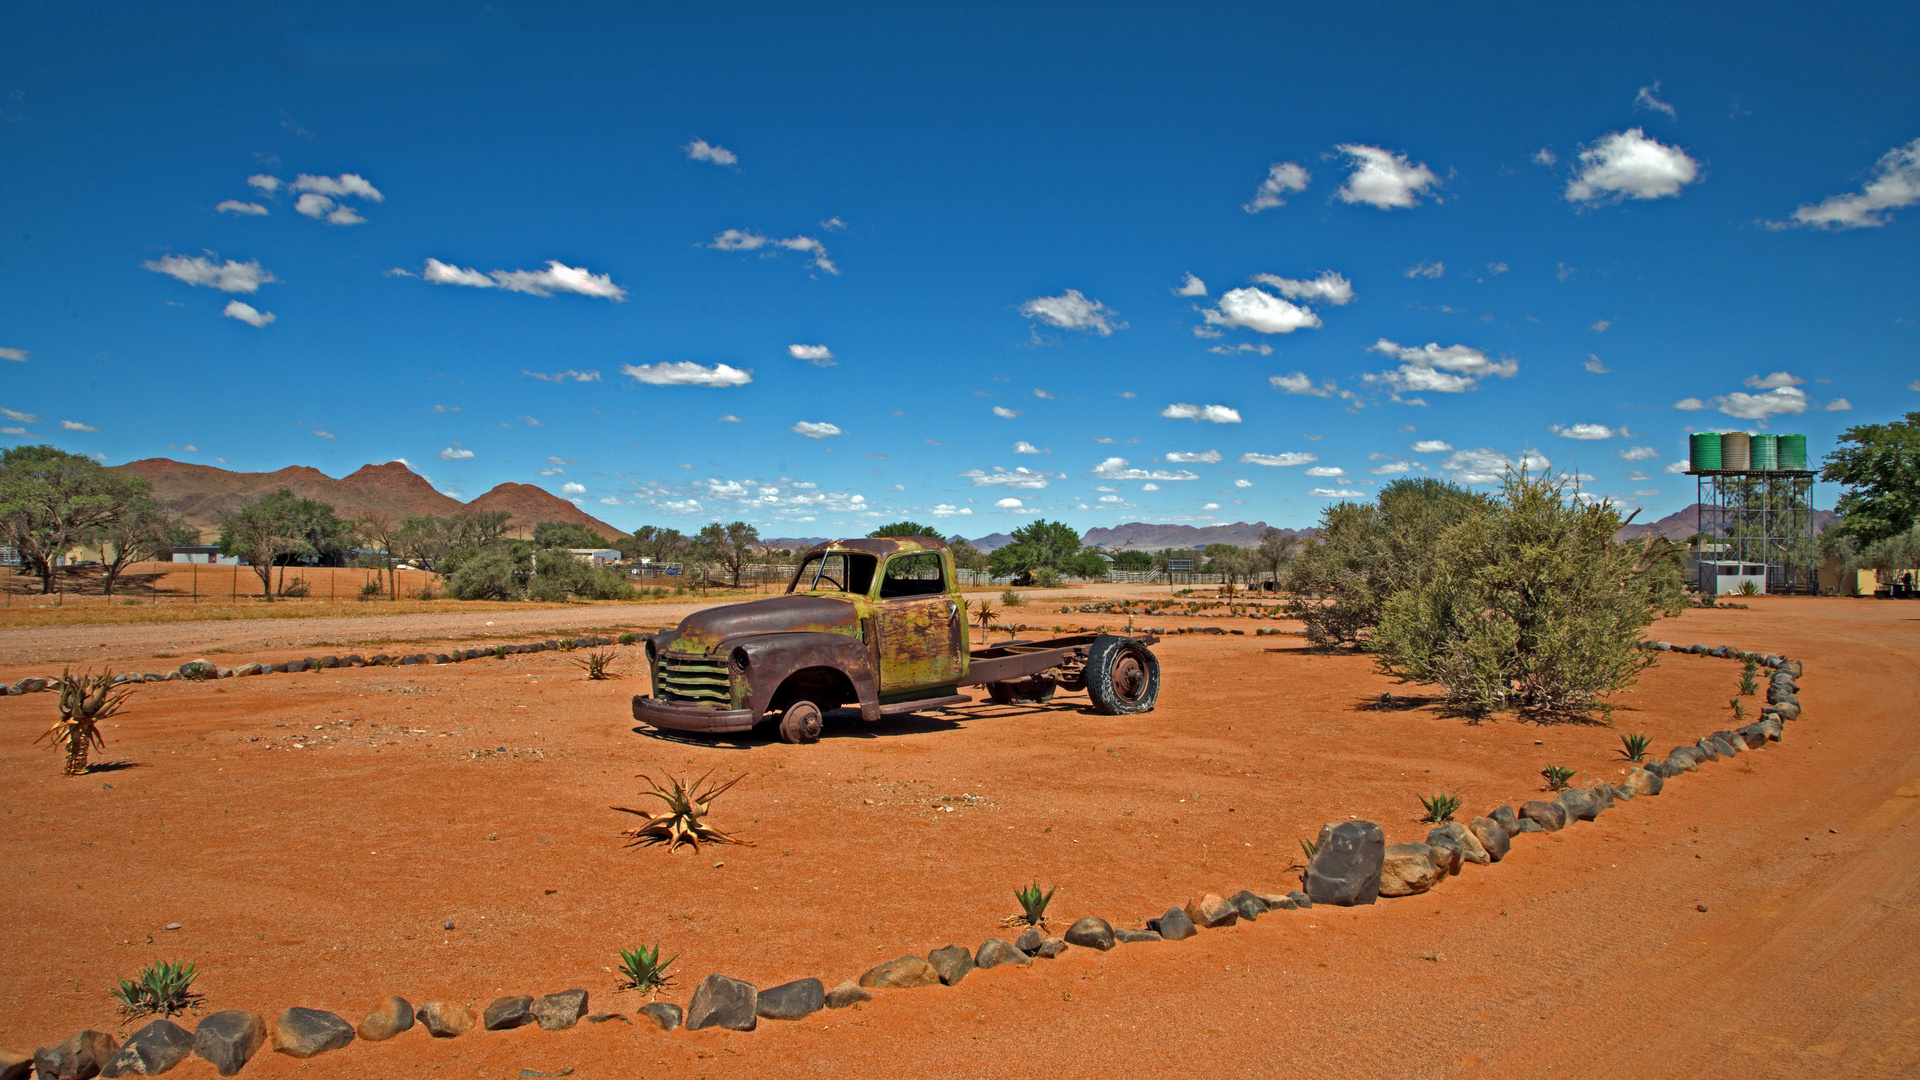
<point x="923" y="629"/>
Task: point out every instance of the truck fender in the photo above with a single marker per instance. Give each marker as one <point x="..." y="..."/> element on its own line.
<point x="772" y="658"/>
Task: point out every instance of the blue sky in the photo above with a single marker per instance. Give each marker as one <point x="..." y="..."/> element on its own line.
<point x="818" y="267"/>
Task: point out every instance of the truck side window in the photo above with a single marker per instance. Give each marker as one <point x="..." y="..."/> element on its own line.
<point x="913" y="575"/>
<point x="836" y="571"/>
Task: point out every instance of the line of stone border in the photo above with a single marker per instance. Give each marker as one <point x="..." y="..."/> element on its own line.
<point x="1351" y="865"/>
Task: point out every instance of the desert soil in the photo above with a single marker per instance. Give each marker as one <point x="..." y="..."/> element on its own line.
<point x="312" y="834"/>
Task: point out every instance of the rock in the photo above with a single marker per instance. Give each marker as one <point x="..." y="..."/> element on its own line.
<point x="663" y="1014"/>
<point x="229" y="1039"/>
<point x="1345" y="868"/>
<point x="1300" y="899"/>
<point x="848" y="993"/>
<point x="1727" y="743"/>
<point x="1135" y="937"/>
<point x="1173" y="926"/>
<point x="442" y="658"/>
<point x="1277" y="901"/>
<point x="1471" y="849"/>
<point x="1447" y="855"/>
<point x="1602" y="796"/>
<point x="794" y="1000"/>
<point x="390" y="1018"/>
<point x="15" y="1066"/>
<point x="1029" y="940"/>
<point x="1211" y="912"/>
<point x="1786" y="710"/>
<point x="78" y="1058"/>
<point x="952" y="963"/>
<point x="1051" y="948"/>
<point x="1250" y="905"/>
<point x="507" y="1013"/>
<point x="1579" y="805"/>
<point x="560" y="1011"/>
<point x="153" y="1050"/>
<point x="329" y="661"/>
<point x="1774" y="729"/>
<point x="1685" y="758"/>
<point x="1091" y="932"/>
<point x="905" y="973"/>
<point x="1643" y="782"/>
<point x="722" y="1002"/>
<point x="305" y="1033"/>
<point x="1506" y="819"/>
<point x="1753" y="736"/>
<point x="444" y="1019"/>
<point x="1407" y="869"/>
<point x="355" y="660"/>
<point x="1707" y="749"/>
<point x="996" y="951"/>
<point x="1550" y="816"/>
<point x="1528" y="825"/>
<point x="1494" y="838"/>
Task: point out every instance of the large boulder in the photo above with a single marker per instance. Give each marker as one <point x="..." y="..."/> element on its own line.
<point x="151" y="1051"/>
<point x="1494" y="838"/>
<point x="1471" y="848"/>
<point x="952" y="963"/>
<point x="725" y="1003"/>
<point x="1447" y="855"/>
<point x="78" y="1058"/>
<point x="1407" y="869"/>
<point x="1643" y="782"/>
<point x="996" y="951"/>
<point x="1579" y="805"/>
<point x="389" y="1018"/>
<point x="1210" y="911"/>
<point x="1092" y="932"/>
<point x="1550" y="816"/>
<point x="557" y="1012"/>
<point x="229" y="1039"/>
<point x="305" y="1033"/>
<point x="1345" y="868"/>
<point x="1173" y="926"/>
<point x="791" y="1001"/>
<point x="904" y="973"/>
<point x="444" y="1019"/>
<point x="1505" y="817"/>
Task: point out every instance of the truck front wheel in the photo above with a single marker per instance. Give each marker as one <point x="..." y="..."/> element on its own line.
<point x="1123" y="676"/>
<point x="801" y="723"/>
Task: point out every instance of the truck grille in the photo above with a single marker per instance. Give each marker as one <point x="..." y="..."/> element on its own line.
<point x="694" y="681"/>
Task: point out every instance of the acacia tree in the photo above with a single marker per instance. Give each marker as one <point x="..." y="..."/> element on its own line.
<point x="730" y="545"/>
<point x="904" y="529"/>
<point x="1041" y="545"/>
<point x="141" y="530"/>
<point x="52" y="501"/>
<point x="277" y="527"/>
<point x="382" y="529"/>
<point x="1880" y="466"/>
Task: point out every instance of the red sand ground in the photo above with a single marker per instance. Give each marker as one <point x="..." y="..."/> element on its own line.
<point x="312" y="833"/>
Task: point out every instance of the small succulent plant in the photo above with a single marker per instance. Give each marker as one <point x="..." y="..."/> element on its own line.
<point x="1635" y="746"/>
<point x="597" y="664"/>
<point x="162" y="989"/>
<point x="1033" y="903"/>
<point x="1440" y="808"/>
<point x="84" y="702"/>
<point x="642" y="969"/>
<point x="687" y="804"/>
<point x="1558" y="777"/>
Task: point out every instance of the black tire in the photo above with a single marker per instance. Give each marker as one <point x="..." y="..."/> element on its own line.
<point x="1032" y="690"/>
<point x="801" y="723"/>
<point x="1123" y="676"/>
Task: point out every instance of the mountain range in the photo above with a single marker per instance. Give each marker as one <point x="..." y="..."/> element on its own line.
<point x="1682" y="524"/>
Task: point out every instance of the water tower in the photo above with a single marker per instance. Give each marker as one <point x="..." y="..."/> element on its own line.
<point x="1756" y="502"/>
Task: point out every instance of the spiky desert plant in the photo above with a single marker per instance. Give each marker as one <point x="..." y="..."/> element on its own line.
<point x="1033" y="903"/>
<point x="500" y="651"/>
<point x="162" y="989"/>
<point x="1440" y="808"/>
<point x="84" y="702"/>
<point x="629" y="639"/>
<point x="1635" y="746"/>
<point x="1310" y="848"/>
<point x="686" y="805"/>
<point x="984" y="615"/>
<point x="642" y="969"/>
<point x="1739" y="710"/>
<point x="1750" y="679"/>
<point x="596" y="664"/>
<point x="1558" y="776"/>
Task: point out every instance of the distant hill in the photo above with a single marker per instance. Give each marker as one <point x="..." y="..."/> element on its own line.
<point x="203" y="495"/>
<point x="1141" y="536"/>
<point x="1682" y="524"/>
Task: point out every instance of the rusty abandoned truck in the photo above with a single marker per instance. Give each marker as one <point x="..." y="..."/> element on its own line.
<point x="878" y="624"/>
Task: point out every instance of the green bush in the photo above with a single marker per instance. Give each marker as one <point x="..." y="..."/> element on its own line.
<point x="604" y="584"/>
<point x="485" y="576"/>
<point x="548" y="588"/>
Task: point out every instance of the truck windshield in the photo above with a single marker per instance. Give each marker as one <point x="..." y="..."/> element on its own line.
<point x="835" y="571"/>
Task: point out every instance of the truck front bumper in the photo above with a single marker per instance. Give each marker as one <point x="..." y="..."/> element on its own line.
<point x="663" y="714"/>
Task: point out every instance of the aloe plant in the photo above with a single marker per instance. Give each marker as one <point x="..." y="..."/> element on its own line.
<point x="687" y="804"/>
<point x="1739" y="710"/>
<point x="1635" y="746"/>
<point x="1440" y="808"/>
<point x="1310" y="848"/>
<point x="1033" y="903"/>
<point x="84" y="702"/>
<point x="1558" y="776"/>
<point x="162" y="989"/>
<point x="642" y="969"/>
<point x="596" y="664"/>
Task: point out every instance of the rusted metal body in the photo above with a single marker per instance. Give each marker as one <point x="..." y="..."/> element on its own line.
<point x="872" y="623"/>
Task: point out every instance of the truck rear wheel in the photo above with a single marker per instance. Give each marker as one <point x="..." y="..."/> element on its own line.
<point x="1123" y="676"/>
<point x="801" y="723"/>
<point x="1032" y="690"/>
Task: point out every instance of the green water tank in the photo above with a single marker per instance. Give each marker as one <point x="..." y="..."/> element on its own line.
<point x="1703" y="451"/>
<point x="1793" y="453"/>
<point x="1766" y="453"/>
<point x="1736" y="451"/>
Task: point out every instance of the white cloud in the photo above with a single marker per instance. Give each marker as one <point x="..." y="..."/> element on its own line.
<point x="1337" y="493"/>
<point x="1211" y="506"/>
<point x="833" y="224"/>
<point x="313" y="206"/>
<point x="1262" y="349"/>
<point x="268" y="184"/>
<point x="243" y="209"/>
<point x="233" y="277"/>
<point x="1427" y="269"/>
<point x="1111" y="499"/>
<point x="13" y="431"/>
<point x="18" y="356"/>
<point x="1299" y="383"/>
<point x="1645" y="100"/>
<point x="1599" y="327"/>
<point x="1073" y="311"/>
<point x="1191" y="286"/>
<point x="1495" y="269"/>
<point x="1773" y="381"/>
<point x="1895" y="183"/>
<point x="1786" y="400"/>
<point x="1430" y="446"/>
<point x="1594" y="365"/>
<point x="344" y="215"/>
<point x="19" y="417"/>
<point x="1020" y="479"/>
<point x="687" y="373"/>
<point x="679" y="506"/>
<point x="1628" y="165"/>
<point x="569" y="375"/>
<point x="1384" y="179"/>
<point x="247" y="313"/>
<point x="942" y="510"/>
<point x="817" y="355"/>
<point x="815" y="430"/>
<point x="1489" y="466"/>
<point x="1212" y="414"/>
<point x="1008" y="504"/>
<point x="344" y="185"/>
<point x="1116" y="468"/>
<point x="1278" y="460"/>
<point x="1326" y="470"/>
<point x="1639" y="453"/>
<point x="442" y="274"/>
<point x="1451" y="370"/>
<point x="455" y="453"/>
<point x="1394" y="468"/>
<point x="1149" y="487"/>
<point x="75" y="425"/>
<point x="729" y="418"/>
<point x="556" y="277"/>
<point x="1005" y="413"/>
<point x="1329" y="286"/>
<point x="1676" y="467"/>
<point x="1585" y="431"/>
<point x="1042" y="394"/>
<point x="1692" y="404"/>
<point x="611" y="500"/>
<point x="553" y="470"/>
<point x="1259" y="310"/>
<point x="1839" y="404"/>
<point x="702" y="150"/>
<point x="1544" y="156"/>
<point x="1914" y="386"/>
<point x="1024" y="447"/>
<point x="1209" y="457"/>
<point x="571" y="488"/>
<point x="1283" y="178"/>
<point x="748" y="240"/>
<point x="1243" y="483"/>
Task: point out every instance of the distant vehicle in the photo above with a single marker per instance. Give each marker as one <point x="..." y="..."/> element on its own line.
<point x="873" y="623"/>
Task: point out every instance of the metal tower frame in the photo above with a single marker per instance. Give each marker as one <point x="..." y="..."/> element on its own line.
<point x="1763" y="518"/>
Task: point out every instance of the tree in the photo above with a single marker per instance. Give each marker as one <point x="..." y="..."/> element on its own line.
<point x="1088" y="563"/>
<point x="965" y="555"/>
<point x="1135" y="561"/>
<point x="903" y="529"/>
<point x="1229" y="561"/>
<point x="488" y="576"/>
<point x="1040" y="545"/>
<point x="1276" y="550"/>
<point x="382" y="529"/>
<point x="52" y="501"/>
<point x="142" y="530"/>
<point x="1880" y="466"/>
<point x="729" y="545"/>
<point x="1531" y="603"/>
<point x="566" y="534"/>
<point x="278" y="527"/>
<point x="655" y="544"/>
